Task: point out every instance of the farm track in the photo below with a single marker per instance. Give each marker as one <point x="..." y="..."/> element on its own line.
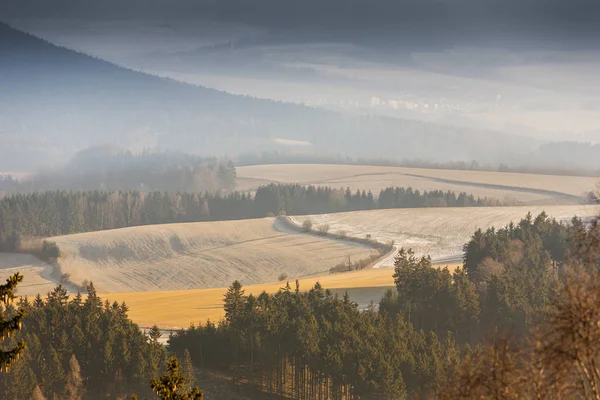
<point x="559" y="197"/>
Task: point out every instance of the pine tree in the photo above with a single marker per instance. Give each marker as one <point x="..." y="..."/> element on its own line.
<point x="154" y="334"/>
<point x="168" y="387"/>
<point x="74" y="387"/>
<point x="9" y="326"/>
<point x="234" y="303"/>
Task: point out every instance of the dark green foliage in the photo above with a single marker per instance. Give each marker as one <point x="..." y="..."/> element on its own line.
<point x="50" y="251"/>
<point x="10" y="323"/>
<point x="84" y="349"/>
<point x="170" y="386"/>
<point x="518" y="268"/>
<point x="433" y="299"/>
<point x="316" y="345"/>
<point x="509" y="277"/>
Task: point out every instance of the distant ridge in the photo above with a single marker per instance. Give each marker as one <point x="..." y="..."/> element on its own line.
<point x="55" y="101"/>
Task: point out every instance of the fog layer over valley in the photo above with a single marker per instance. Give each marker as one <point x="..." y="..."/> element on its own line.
<point x="389" y="99"/>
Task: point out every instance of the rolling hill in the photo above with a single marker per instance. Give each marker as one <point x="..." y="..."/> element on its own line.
<point x="55" y="101"/>
<point x="198" y="255"/>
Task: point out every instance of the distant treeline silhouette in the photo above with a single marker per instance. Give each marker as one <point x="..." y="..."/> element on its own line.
<point x="109" y="168"/>
<point x="556" y="158"/>
<point x="55" y="213"/>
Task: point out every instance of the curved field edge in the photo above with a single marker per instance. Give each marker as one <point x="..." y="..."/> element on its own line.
<point x="182" y="308"/>
<point x="438" y="232"/>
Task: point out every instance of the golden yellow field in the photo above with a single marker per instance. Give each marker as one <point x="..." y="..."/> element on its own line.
<point x="198" y="255"/>
<point x="179" y="309"/>
<point x="524" y="188"/>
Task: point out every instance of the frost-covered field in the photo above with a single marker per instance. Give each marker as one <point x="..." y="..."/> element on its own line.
<point x="439" y="232"/>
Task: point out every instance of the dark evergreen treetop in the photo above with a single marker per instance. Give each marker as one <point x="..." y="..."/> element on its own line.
<point x="9" y="325"/>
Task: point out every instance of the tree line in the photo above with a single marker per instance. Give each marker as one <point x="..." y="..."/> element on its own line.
<point x="111" y="169"/>
<point x="438" y="334"/>
<point x="55" y="213"/>
<point x="82" y="349"/>
<point x="314" y="345"/>
<point x="508" y="278"/>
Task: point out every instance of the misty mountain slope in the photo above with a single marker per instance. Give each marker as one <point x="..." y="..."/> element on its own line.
<point x="55" y="101"/>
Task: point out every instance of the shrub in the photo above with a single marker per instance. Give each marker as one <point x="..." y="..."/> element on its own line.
<point x="307" y="225"/>
<point x="342" y="234"/>
<point x="323" y="229"/>
<point x="50" y="251"/>
<point x="65" y="278"/>
<point x="354" y="266"/>
<point x="282" y="277"/>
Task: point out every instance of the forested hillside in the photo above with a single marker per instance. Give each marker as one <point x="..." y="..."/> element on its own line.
<point x="81" y="349"/>
<point x="319" y="346"/>
<point x="537" y="280"/>
<point x="58" y="213"/>
<point x="55" y="101"/>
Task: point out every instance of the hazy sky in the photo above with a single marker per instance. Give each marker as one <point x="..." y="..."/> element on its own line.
<point x="525" y="68"/>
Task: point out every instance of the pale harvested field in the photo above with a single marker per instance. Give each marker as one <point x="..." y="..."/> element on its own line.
<point x="526" y="188"/>
<point x="198" y="255"/>
<point x="36" y="273"/>
<point x="439" y="232"/>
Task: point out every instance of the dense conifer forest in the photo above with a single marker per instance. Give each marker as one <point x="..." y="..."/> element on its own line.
<point x="83" y="345"/>
<point x="54" y="213"/>
<point x="314" y="345"/>
<point x="429" y="337"/>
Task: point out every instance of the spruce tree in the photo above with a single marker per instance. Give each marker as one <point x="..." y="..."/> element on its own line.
<point x="51" y="371"/>
<point x="168" y="386"/>
<point x="9" y="326"/>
